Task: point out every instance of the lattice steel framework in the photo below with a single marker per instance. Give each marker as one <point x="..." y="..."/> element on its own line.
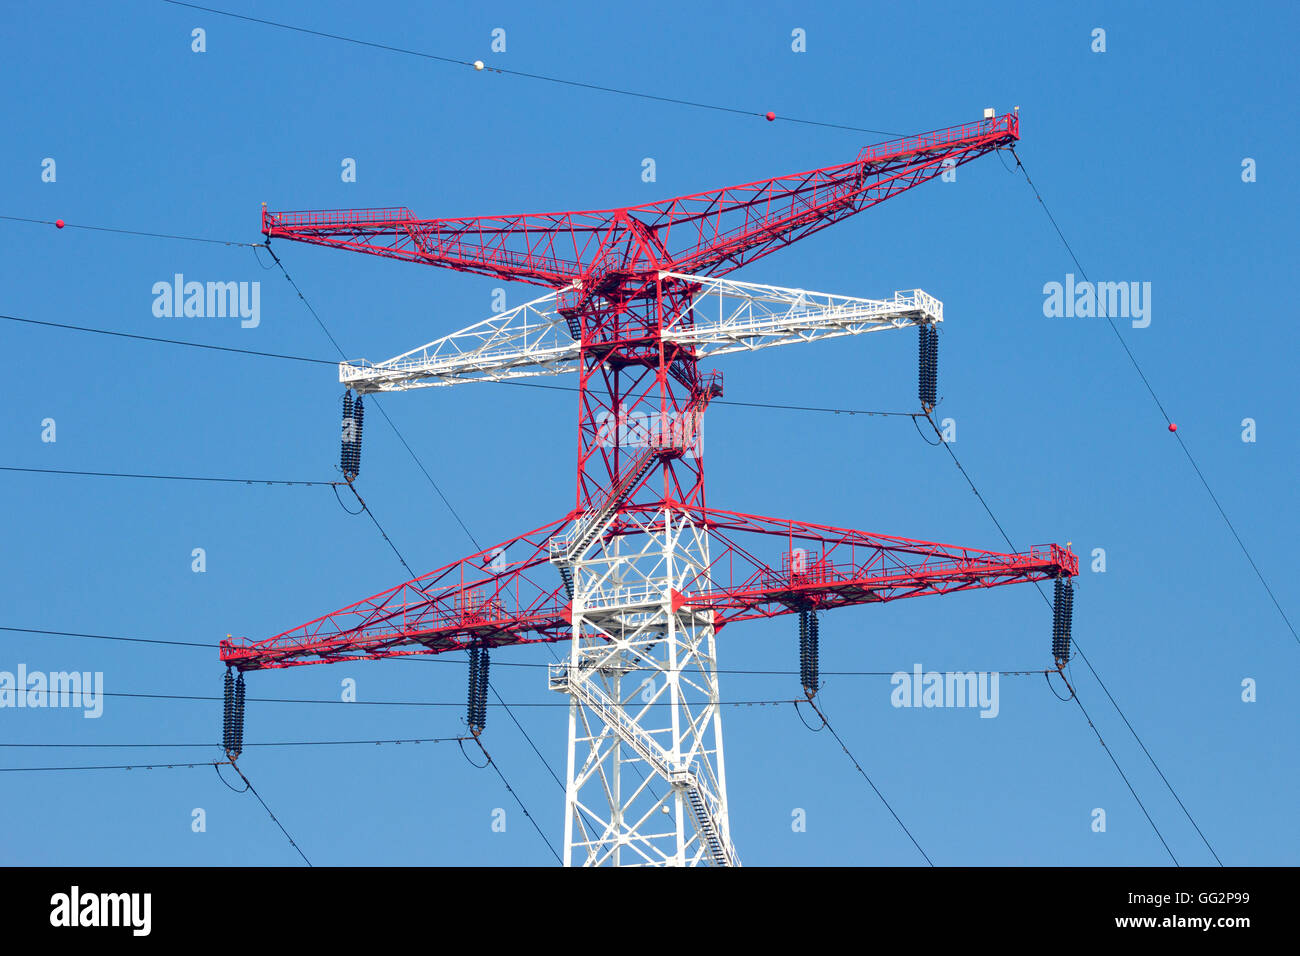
<point x="640" y="575"/>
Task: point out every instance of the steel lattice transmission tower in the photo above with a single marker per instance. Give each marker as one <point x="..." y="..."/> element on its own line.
<point x="640" y="574"/>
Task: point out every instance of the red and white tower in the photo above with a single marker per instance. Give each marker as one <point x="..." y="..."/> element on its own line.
<point x="641" y="574"/>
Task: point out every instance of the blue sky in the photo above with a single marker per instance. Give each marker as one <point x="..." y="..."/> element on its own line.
<point x="1138" y="151"/>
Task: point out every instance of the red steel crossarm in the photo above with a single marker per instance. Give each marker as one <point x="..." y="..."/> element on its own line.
<point x="728" y="228"/>
<point x="824" y="567"/>
<point x="545" y="249"/>
<point x="641" y="550"/>
<point x="825" y="585"/>
<point x="715" y="231"/>
<point x="821" y="567"/>
<point x="463" y="603"/>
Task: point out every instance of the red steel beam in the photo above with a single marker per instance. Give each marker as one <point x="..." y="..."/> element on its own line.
<point x="715" y="231"/>
<point x="469" y="601"/>
<point x="506" y="594"/>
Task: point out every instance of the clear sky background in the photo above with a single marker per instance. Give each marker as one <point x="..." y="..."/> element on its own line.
<point x="1137" y="150"/>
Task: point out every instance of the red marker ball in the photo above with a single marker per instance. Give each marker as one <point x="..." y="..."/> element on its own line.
<point x="58" y="223"/>
<point x="770" y="116"/>
<point x="1173" y="427"/>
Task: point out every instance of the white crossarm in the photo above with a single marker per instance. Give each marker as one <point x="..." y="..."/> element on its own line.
<point x="728" y="316"/>
<point x="724" y="317"/>
<point x="525" y="341"/>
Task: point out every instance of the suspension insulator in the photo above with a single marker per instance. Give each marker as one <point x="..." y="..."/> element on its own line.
<point x="358" y="415"/>
<point x="471" y="697"/>
<point x="228" y="713"/>
<point x="934" y="365"/>
<point x="803" y="648"/>
<point x="814" y="652"/>
<point x="809" y="652"/>
<point x="237" y="726"/>
<point x="345" y="451"/>
<point x="1062" y="619"/>
<point x="1058" y="601"/>
<point x="922" y="355"/>
<point x="476" y="704"/>
<point x="482" y="687"/>
<point x="928" y="365"/>
<point x="1069" y="620"/>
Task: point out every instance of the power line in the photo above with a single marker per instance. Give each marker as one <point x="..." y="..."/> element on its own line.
<point x="375" y="401"/>
<point x="155" y="766"/>
<point x="545" y="763"/>
<point x="166" y="341"/>
<point x="754" y="672"/>
<point x="1005" y="537"/>
<point x="519" y="801"/>
<point x="1124" y="777"/>
<point x="416" y="458"/>
<point x="747" y="404"/>
<point x="866" y="777"/>
<point x="131" y="232"/>
<point x="366" y="508"/>
<point x="651" y="97"/>
<point x="946" y="445"/>
<point x="1156" y="398"/>
<point x="269" y="811"/>
<point x="389" y="703"/>
<point x="313" y="312"/>
<point x="273" y="743"/>
<point x="817" y="408"/>
<point x="204" y="478"/>
<point x="525" y="75"/>
<point x="105" y="637"/>
<point x="735" y="404"/>
<point x="439" y="659"/>
<point x="464" y="527"/>
<point x="1242" y="544"/>
<point x="382" y="411"/>
<point x="316" y="316"/>
<point x="391" y="424"/>
<point x="1124" y="718"/>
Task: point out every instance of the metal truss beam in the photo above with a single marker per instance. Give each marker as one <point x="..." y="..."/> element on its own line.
<point x="723" y="316"/>
<point x="709" y="232"/>
<point x="647" y="574"/>
<point x="766" y="567"/>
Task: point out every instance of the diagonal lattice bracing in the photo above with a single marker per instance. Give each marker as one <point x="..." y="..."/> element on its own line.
<point x="641" y="574"/>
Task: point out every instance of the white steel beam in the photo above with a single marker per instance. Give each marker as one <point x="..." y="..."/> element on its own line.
<point x="724" y="317"/>
<point x="646" y="782"/>
<point x="523" y="342"/>
<point x="728" y="316"/>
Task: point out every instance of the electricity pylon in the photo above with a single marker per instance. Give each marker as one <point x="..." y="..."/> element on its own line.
<point x="641" y="573"/>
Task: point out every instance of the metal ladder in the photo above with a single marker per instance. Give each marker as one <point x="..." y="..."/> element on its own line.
<point x="563" y="679"/>
<point x="568" y="549"/>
